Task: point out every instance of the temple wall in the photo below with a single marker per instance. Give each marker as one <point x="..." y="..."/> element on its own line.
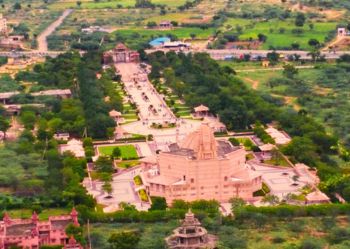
<point x="204" y="179"/>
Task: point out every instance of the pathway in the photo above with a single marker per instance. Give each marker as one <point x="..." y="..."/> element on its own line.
<point x="150" y="103"/>
<point x="42" y="42"/>
<point x="271" y="69"/>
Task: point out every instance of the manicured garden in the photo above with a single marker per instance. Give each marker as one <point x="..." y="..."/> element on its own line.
<point x="126" y="151"/>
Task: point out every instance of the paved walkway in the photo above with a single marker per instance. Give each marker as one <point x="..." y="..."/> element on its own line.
<point x="145" y="96"/>
<point x="150" y="103"/>
<point x="123" y="191"/>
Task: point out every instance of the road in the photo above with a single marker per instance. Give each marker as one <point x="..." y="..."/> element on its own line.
<point x="221" y="54"/>
<point x="215" y="54"/>
<point x="42" y="43"/>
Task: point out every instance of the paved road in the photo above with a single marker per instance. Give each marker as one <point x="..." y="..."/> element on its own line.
<point x="215" y="54"/>
<point x="220" y="54"/>
<point x="42" y="43"/>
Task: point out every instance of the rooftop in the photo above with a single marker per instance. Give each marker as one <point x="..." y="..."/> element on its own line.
<point x="201" y="144"/>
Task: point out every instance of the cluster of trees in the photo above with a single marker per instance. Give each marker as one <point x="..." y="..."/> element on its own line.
<point x="87" y="112"/>
<point x="189" y="4"/>
<point x="144" y="4"/>
<point x="199" y="79"/>
<point x="32" y="167"/>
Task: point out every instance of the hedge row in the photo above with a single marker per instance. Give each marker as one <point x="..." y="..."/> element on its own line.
<point x="285" y="211"/>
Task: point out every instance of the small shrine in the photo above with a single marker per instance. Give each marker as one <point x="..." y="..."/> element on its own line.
<point x="190" y="235"/>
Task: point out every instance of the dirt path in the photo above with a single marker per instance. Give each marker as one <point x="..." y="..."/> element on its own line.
<point x="255" y="83"/>
<point x="42" y="43"/>
<point x="270" y="69"/>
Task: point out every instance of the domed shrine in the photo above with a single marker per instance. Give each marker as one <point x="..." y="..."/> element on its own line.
<point x="190" y="235"/>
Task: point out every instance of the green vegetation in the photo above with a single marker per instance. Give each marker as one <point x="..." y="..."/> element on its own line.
<point x="127" y="152"/>
<point x="143" y="195"/>
<point x="138" y="180"/>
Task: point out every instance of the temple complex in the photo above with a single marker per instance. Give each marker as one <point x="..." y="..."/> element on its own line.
<point x="190" y="235"/>
<point x="201" y="167"/>
<point x="32" y="233"/>
<point x="120" y="54"/>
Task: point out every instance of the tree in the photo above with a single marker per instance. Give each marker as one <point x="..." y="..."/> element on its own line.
<point x="158" y="203"/>
<point x="271" y="199"/>
<point x="289" y="71"/>
<point x="17" y="6"/>
<point x="104" y="164"/>
<point x="311" y="243"/>
<point x="124" y="240"/>
<point x="107" y="187"/>
<point x="273" y="57"/>
<point x="300" y="19"/>
<point x="314" y="43"/>
<point x="151" y="24"/>
<point x="76" y="232"/>
<point x="262" y="37"/>
<point x="237" y="203"/>
<point x="79" y="3"/>
<point x="4" y="126"/>
<point x="116" y="152"/>
<point x="315" y="54"/>
<point x="28" y="119"/>
<point x="144" y="4"/>
<point x="193" y="36"/>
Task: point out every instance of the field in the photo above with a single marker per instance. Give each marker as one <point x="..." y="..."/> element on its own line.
<point x="280" y="33"/>
<point x="127" y="151"/>
<point x="90" y="4"/>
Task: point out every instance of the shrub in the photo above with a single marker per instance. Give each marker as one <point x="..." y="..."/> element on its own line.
<point x="143" y="195"/>
<point x="138" y="180"/>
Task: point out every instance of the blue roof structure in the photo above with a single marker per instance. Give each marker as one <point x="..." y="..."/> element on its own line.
<point x="159" y="41"/>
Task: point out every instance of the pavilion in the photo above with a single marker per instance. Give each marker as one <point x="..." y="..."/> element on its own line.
<point x="191" y="235"/>
<point x="117" y="116"/>
<point x="201" y="111"/>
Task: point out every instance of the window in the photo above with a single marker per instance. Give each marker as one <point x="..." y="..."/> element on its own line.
<point x="192" y="180"/>
<point x="225" y="178"/>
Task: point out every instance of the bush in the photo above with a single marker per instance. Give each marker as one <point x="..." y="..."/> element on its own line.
<point x="278" y="240"/>
<point x="138" y="180"/>
<point x="143" y="195"/>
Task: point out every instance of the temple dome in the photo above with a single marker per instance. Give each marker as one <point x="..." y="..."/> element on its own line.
<point x="202" y="142"/>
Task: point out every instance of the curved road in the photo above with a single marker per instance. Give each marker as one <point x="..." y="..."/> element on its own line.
<point x="42" y="43"/>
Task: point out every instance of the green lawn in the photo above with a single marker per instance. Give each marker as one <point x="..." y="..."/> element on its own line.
<point x="128" y="164"/>
<point x="277" y="39"/>
<point x="181" y="33"/>
<point x="127" y="151"/>
<point x="44" y="215"/>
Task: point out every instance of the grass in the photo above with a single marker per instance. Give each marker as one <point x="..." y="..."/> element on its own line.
<point x="44" y="215"/>
<point x="143" y="195"/>
<point x="127" y="151"/>
<point x="247" y="142"/>
<point x="181" y="33"/>
<point x="276" y="39"/>
<point x="110" y="4"/>
<point x="128" y="164"/>
<point x="280" y="162"/>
